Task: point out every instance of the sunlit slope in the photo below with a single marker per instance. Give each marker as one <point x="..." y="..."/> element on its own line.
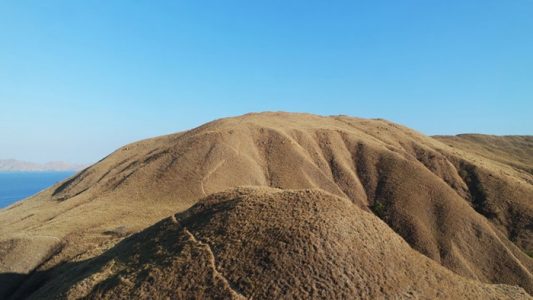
<point x="266" y="244"/>
<point x="469" y="213"/>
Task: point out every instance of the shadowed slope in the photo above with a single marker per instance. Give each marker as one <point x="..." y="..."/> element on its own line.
<point x="501" y="201"/>
<point x="469" y="213"/>
<point x="267" y="244"/>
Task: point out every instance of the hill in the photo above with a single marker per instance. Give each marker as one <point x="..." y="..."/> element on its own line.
<point x="513" y="150"/>
<point x="265" y="244"/>
<point x="464" y="211"/>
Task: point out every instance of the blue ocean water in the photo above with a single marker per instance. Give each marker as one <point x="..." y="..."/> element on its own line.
<point x="15" y="186"/>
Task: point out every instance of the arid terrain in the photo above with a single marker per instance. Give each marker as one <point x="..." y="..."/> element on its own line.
<point x="282" y="205"/>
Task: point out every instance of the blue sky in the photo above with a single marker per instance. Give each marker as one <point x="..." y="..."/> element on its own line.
<point x="80" y="78"/>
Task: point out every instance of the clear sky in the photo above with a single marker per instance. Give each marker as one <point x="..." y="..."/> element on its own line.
<point x="80" y="78"/>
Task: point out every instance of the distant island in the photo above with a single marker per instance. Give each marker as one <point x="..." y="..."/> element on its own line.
<point x="13" y="165"/>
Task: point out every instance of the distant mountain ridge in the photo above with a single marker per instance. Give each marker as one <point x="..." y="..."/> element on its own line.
<point x="18" y="165"/>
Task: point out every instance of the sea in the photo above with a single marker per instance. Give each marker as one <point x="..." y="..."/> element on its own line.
<point x="15" y="186"/>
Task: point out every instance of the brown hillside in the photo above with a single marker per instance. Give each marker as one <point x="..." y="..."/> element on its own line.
<point x="494" y="198"/>
<point x="513" y="150"/>
<point x="266" y="244"/>
<point x="470" y="213"/>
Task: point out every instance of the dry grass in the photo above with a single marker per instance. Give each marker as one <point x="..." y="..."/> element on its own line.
<point x="459" y="206"/>
<point x="267" y="244"/>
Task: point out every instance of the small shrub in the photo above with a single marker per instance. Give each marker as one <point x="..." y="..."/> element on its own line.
<point x="379" y="209"/>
